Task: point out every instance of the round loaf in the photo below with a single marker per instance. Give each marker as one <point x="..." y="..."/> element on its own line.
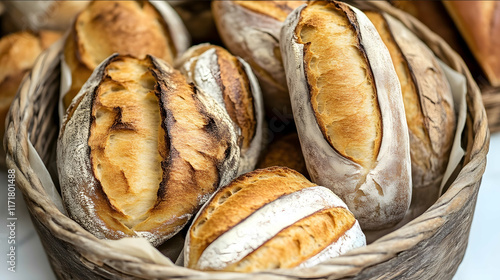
<point x="231" y="82"/>
<point x="134" y="28"/>
<point x="270" y="218"/>
<point x="348" y="109"/>
<point x="251" y="30"/>
<point x="140" y="150"/>
<point x="428" y="105"/>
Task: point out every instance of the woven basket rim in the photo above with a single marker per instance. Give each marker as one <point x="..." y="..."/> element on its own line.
<point x="418" y="230"/>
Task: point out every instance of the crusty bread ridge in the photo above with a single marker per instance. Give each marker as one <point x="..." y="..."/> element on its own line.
<point x="286" y="222"/>
<point x="231" y="82"/>
<point x="429" y="109"/>
<point x="354" y="139"/>
<point x="125" y="166"/>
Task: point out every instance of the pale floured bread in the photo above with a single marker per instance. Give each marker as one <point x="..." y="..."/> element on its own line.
<point x="18" y="52"/>
<point x="270" y="218"/>
<point x="479" y="22"/>
<point x="231" y="82"/>
<point x="134" y="28"/>
<point x="251" y="30"/>
<point x="348" y="109"/>
<point x="428" y="105"/>
<point x="140" y="150"/>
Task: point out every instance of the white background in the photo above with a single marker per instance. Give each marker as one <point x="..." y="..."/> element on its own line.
<point x="480" y="262"/>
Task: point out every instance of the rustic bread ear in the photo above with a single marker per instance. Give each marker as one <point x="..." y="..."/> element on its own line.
<point x="231" y="82"/>
<point x="98" y="32"/>
<point x="428" y="105"/>
<point x="270" y="218"/>
<point x="250" y="30"/>
<point x="348" y="108"/>
<point x="141" y="150"/>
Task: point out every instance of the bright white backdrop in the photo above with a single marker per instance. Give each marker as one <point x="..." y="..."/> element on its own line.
<point x="480" y="261"/>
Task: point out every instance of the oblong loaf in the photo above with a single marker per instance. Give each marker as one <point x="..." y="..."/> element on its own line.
<point x="428" y="105"/>
<point x="140" y="150"/>
<point x="231" y="82"/>
<point x="270" y="218"/>
<point x="348" y="109"/>
<point x="251" y="30"/>
<point x="134" y="28"/>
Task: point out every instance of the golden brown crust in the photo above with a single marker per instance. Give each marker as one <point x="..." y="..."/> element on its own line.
<point x="479" y="22"/>
<point x="413" y="110"/>
<point x="250" y="30"/>
<point x="126" y="117"/>
<point x="286" y="152"/>
<point x="237" y="95"/>
<point x="225" y="209"/>
<point x="107" y="27"/>
<point x="149" y="150"/>
<point x="340" y="80"/>
<point x="298" y="242"/>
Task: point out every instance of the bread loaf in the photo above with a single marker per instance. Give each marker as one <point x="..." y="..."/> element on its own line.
<point x="250" y="30"/>
<point x="231" y="82"/>
<point x="348" y="108"/>
<point x="135" y="28"/>
<point x="18" y="52"/>
<point x="479" y="22"/>
<point x="270" y="218"/>
<point x="140" y="150"/>
<point x="428" y="105"/>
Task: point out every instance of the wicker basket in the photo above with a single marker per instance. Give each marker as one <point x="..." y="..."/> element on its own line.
<point x="429" y="247"/>
<point x="491" y="100"/>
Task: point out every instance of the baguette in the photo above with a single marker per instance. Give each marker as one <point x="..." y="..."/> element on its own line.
<point x="140" y="150"/>
<point x="348" y="109"/>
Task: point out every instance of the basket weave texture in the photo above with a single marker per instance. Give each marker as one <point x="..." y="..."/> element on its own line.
<point x="429" y="247"/>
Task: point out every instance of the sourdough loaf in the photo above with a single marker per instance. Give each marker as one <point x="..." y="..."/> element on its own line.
<point x="428" y="105"/>
<point x="348" y="108"/>
<point x="140" y="150"/>
<point x="231" y="82"/>
<point x="270" y="218"/>
<point x="251" y="30"/>
<point x="134" y="28"/>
